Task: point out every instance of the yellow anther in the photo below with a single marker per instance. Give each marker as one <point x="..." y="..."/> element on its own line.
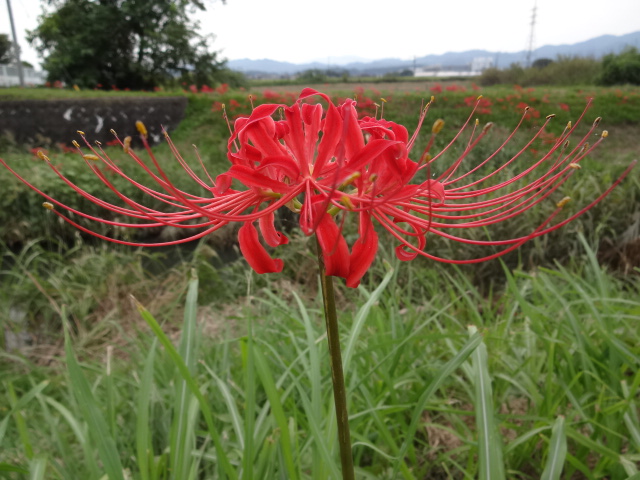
<point x="477" y="122"/>
<point x="126" y="145"/>
<point x="350" y="179"/>
<point x="479" y="97"/>
<point x="433" y="99"/>
<point x="75" y="144"/>
<point x="575" y="166"/>
<point x="487" y="127"/>
<point x="437" y="126"/>
<point x="80" y="132"/>
<point x="98" y="143"/>
<point x="569" y="124"/>
<point x="563" y="202"/>
<point x="346" y="201"/>
<point x="76" y="88"/>
<point x="549" y="117"/>
<point x="113" y="132"/>
<point x="383" y="100"/>
<point x="596" y="122"/>
<point x="141" y="128"/>
<point x="95" y="158"/>
<point x="42" y="156"/>
<point x="48" y="205"/>
<point x="605" y="134"/>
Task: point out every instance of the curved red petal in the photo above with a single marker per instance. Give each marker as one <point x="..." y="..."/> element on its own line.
<point x="363" y="252"/>
<point x="334" y="247"/>
<point x="255" y="254"/>
<point x="273" y="237"/>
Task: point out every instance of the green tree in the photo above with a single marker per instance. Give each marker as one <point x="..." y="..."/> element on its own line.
<point x="6" y="51"/>
<point x="136" y="44"/>
<point x="622" y="68"/>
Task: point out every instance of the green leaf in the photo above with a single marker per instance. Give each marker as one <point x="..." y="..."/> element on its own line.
<point x="557" y="451"/>
<point x="92" y="414"/>
<point x="490" y="462"/>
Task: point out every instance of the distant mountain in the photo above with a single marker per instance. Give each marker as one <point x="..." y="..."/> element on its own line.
<point x="596" y="48"/>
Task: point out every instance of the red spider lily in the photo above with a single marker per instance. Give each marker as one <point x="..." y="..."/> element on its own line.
<point x="326" y="163"/>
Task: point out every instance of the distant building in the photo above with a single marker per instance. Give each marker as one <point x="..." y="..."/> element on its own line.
<point x="9" y="76"/>
<point x="473" y="69"/>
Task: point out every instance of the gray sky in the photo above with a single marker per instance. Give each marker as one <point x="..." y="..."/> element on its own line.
<point x="330" y="30"/>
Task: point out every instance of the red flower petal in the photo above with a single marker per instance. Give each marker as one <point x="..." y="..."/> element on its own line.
<point x="253" y="251"/>
<point x="269" y="232"/>
<point x="334" y="247"/>
<point x="363" y="252"/>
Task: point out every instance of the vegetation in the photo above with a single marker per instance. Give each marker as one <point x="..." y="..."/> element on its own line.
<point x="124" y="44"/>
<point x="6" y="49"/>
<point x="621" y="69"/>
<point x="236" y="383"/>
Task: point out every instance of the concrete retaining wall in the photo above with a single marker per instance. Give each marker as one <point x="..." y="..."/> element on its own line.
<point x="43" y="122"/>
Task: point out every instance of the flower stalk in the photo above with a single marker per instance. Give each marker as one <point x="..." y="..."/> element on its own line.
<point x="337" y="374"/>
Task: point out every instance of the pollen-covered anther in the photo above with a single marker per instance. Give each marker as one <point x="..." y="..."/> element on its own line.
<point x="42" y="156"/>
<point x="479" y="97"/>
<point x="569" y="124"/>
<point x="126" y="145"/>
<point x="604" y="134"/>
<point x="477" y="122"/>
<point x="433" y="99"/>
<point x="141" y="128"/>
<point x="47" y="205"/>
<point x="563" y="202"/>
<point x="98" y="143"/>
<point x="350" y="179"/>
<point x="549" y="117"/>
<point x="113" y="132"/>
<point x="75" y="144"/>
<point x="346" y="201"/>
<point x="80" y="132"/>
<point x="438" y="125"/>
<point x="95" y="158"/>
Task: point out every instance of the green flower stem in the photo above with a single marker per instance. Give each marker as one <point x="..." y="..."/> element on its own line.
<point x="337" y="375"/>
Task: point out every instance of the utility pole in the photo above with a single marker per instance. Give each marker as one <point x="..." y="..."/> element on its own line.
<point x="15" y="44"/>
<point x="531" y="34"/>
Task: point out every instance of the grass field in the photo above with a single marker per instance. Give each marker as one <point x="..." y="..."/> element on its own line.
<point x="181" y="363"/>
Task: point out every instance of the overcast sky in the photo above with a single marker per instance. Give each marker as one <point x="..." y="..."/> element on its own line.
<point x="329" y="30"/>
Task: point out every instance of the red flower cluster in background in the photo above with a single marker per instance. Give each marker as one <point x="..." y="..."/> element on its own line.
<point x="327" y="164"/>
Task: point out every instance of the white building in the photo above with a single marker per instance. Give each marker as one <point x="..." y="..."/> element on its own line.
<point x="9" y="76"/>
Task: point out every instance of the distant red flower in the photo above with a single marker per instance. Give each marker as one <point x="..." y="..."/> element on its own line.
<point x="326" y="164"/>
<point x="564" y="106"/>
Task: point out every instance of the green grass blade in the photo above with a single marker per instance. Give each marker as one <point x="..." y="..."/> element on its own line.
<point x="89" y="408"/>
<point x="143" y="435"/>
<point x="438" y="379"/>
<point x="7" y="467"/>
<point x="21" y="425"/>
<point x="250" y="409"/>
<point x="360" y="318"/>
<point x="79" y="431"/>
<point x="20" y="404"/>
<point x="193" y="387"/>
<point x="182" y="433"/>
<point x="490" y="464"/>
<point x="557" y="452"/>
<point x="38" y="468"/>
<point x="266" y="378"/>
